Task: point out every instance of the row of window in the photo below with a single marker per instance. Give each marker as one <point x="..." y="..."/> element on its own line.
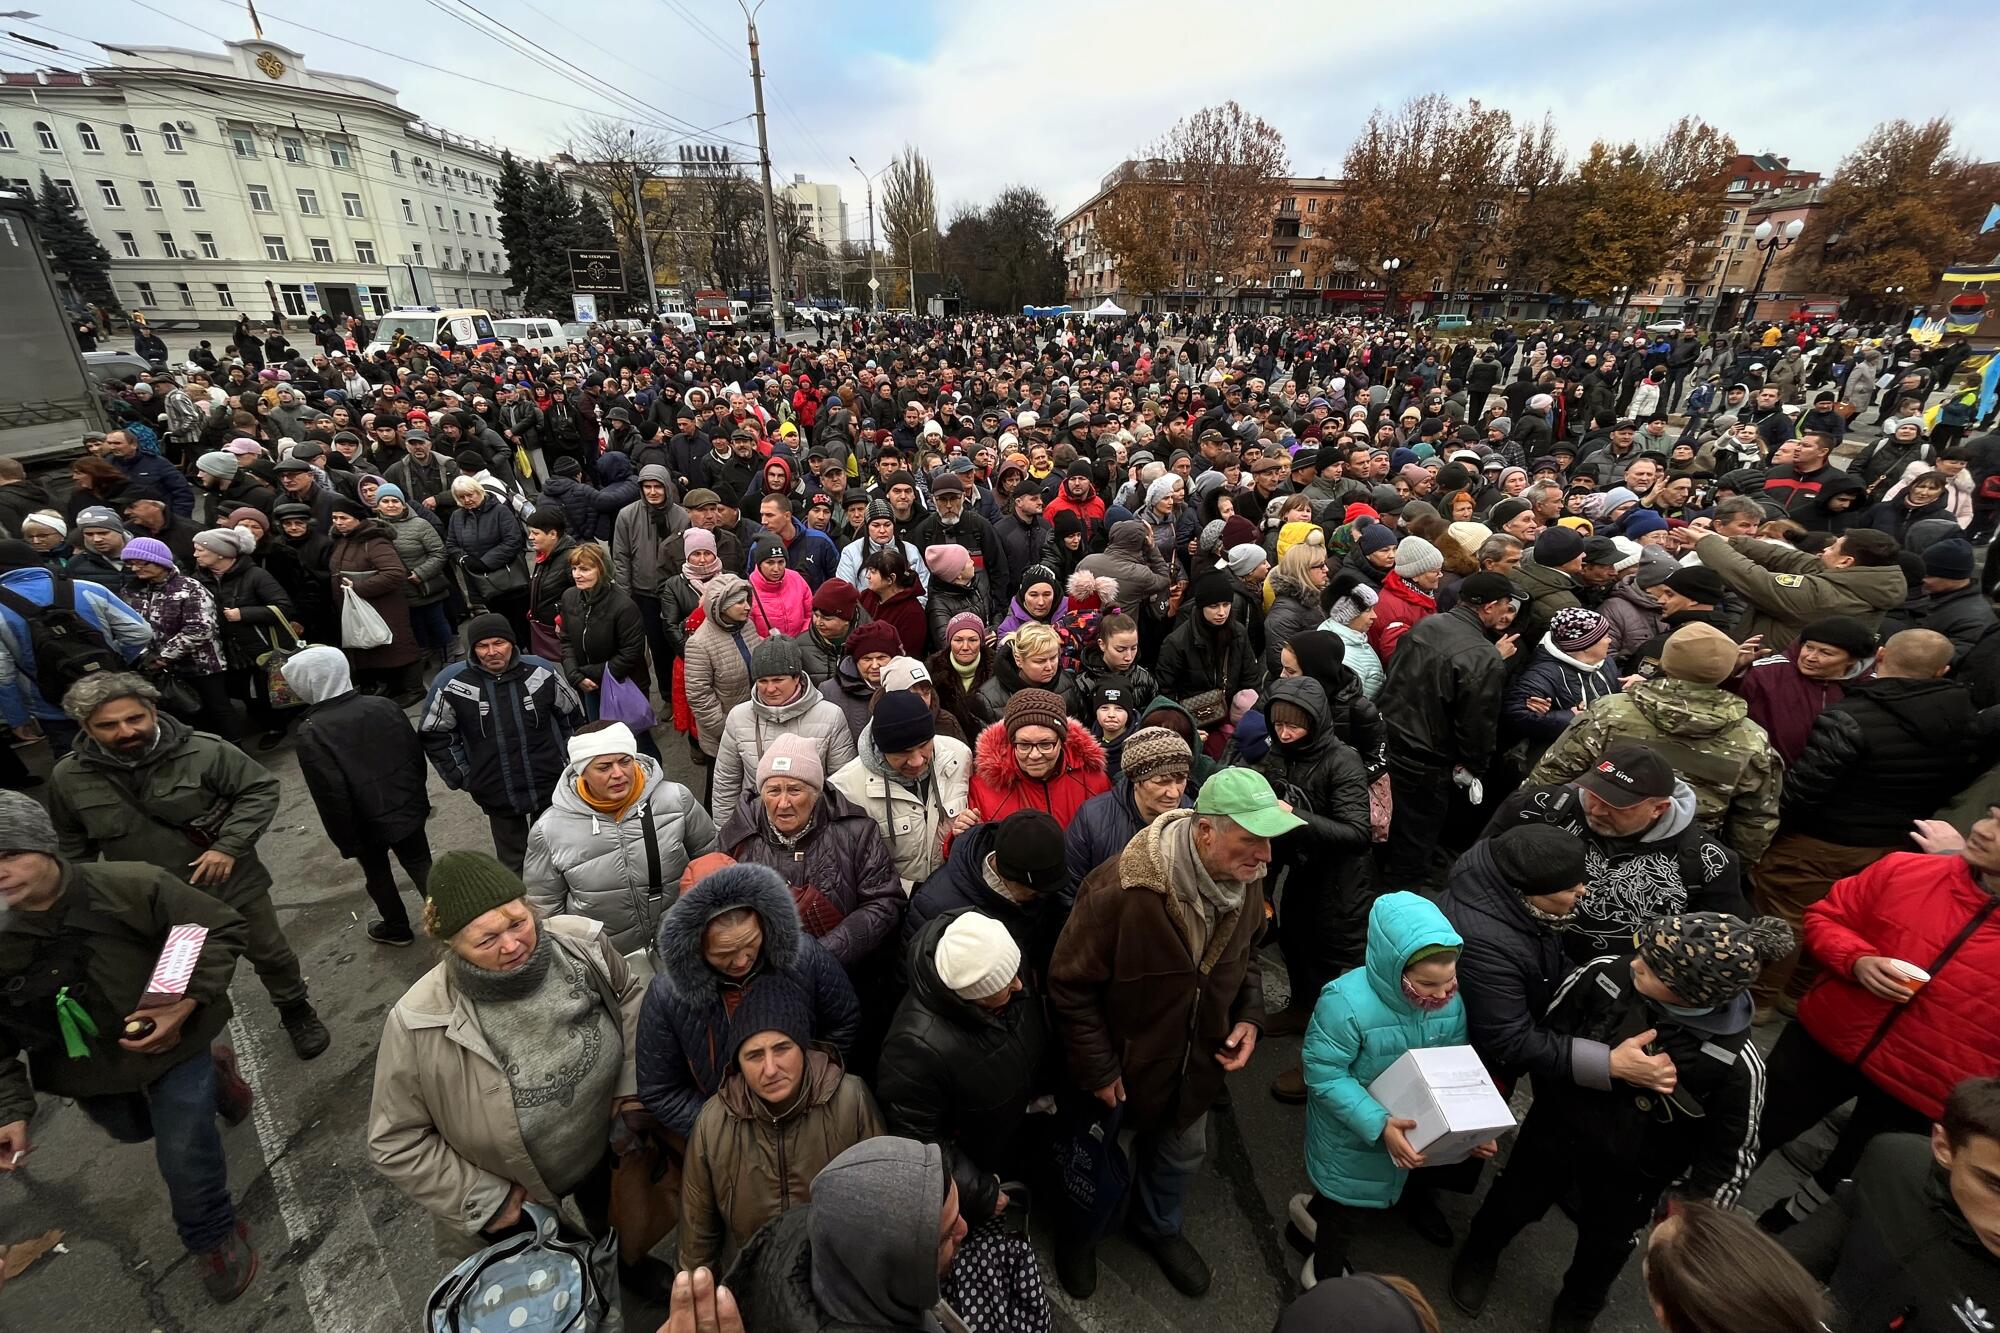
<point x="274" y="247"/>
<point x="291" y="295"/>
<point x="260" y="202"/>
<point x="86" y="134"/>
<point x="66" y="191"/>
<point x="292" y="148"/>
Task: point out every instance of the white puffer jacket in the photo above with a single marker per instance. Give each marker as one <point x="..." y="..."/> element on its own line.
<point x="752" y="725"/>
<point x="584" y="863"/>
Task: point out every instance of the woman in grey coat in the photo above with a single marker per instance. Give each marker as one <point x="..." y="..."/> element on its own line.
<point x="782" y="702"/>
<point x="421" y="547"/>
<point x="614" y="841"/>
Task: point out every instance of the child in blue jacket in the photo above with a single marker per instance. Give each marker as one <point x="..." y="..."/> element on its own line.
<point x="1404" y="998"/>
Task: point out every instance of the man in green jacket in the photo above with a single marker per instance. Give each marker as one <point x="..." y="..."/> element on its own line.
<point x="78" y="945"/>
<point x="139" y="786"/>
<point x="1787" y="589"/>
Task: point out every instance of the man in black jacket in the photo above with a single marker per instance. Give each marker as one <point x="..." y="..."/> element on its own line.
<point x="1439" y="706"/>
<point x="964" y="1053"/>
<point x="1913" y="1240"/>
<point x="1645" y="853"/>
<point x="952" y="523"/>
<point x="1805" y="488"/>
<point x="497" y="725"/>
<point x="1895" y="749"/>
<point x="1014" y="871"/>
<point x="1021" y="533"/>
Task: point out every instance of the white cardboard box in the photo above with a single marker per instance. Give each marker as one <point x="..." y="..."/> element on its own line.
<point x="1451" y="1097"/>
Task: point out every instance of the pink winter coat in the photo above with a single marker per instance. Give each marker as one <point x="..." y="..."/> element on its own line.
<point x="780" y="608"/>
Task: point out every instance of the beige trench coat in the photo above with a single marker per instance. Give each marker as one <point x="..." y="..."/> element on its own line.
<point x="442" y="1127"/>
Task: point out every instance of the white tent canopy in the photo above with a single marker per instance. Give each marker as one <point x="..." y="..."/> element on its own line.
<point x="1109" y="310"/>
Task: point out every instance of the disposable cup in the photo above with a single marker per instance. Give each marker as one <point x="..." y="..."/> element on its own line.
<point x="1909" y="975"/>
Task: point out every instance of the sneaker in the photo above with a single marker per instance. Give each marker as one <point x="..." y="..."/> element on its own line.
<point x="227" y="1269"/>
<point x="1299" y="1210"/>
<point x="1472" y="1280"/>
<point x="396" y="937"/>
<point x="1290" y="1021"/>
<point x="1420" y="1209"/>
<point x="1290" y="1086"/>
<point x="233" y="1096"/>
<point x="309" y="1036"/>
<point x="1076" y="1268"/>
<point x="1179" y="1260"/>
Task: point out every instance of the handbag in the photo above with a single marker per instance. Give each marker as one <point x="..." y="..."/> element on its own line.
<point x="1381" y="807"/>
<point x="1090" y="1167"/>
<point x="622" y="701"/>
<point x="176" y="695"/>
<point x="536" y="1280"/>
<point x="277" y="690"/>
<point x="1209" y="707"/>
<point x="511" y="577"/>
<point x="645" y="1194"/>
<point x="361" y="625"/>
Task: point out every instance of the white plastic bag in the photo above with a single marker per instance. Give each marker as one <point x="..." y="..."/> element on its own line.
<point x="361" y="625"/>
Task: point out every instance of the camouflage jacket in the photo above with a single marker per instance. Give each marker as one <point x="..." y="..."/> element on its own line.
<point x="1708" y="737"/>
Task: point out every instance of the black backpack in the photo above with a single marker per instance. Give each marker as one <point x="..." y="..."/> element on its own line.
<point x="66" y="647"/>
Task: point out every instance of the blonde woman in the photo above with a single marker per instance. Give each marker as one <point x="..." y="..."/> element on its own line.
<point x="1297" y="584"/>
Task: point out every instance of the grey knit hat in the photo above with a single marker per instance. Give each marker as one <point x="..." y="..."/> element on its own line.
<point x="776" y="657"/>
<point x="1151" y="751"/>
<point x="1416" y="557"/>
<point x="25" y="826"/>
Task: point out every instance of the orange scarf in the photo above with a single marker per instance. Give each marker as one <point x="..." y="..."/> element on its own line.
<point x="613" y="810"/>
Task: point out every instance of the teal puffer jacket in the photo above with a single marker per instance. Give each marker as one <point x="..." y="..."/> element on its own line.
<point x="1362" y="1025"/>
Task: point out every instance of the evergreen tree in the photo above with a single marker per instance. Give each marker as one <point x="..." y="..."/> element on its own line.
<point x="74" y="250"/>
<point x="593" y="228"/>
<point x="552" y="232"/>
<point x="511" y="199"/>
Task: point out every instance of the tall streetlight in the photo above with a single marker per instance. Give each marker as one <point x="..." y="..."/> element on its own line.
<point x="1295" y="275"/>
<point x="1895" y="295"/>
<point x="874" y="289"/>
<point x="1390" y="267"/>
<point x="1770" y="240"/>
<point x="1623" y="291"/>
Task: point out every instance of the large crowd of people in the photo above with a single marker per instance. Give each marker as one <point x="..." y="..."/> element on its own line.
<point x="907" y="756"/>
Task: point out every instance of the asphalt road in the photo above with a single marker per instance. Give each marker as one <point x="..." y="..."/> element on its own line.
<point x="343" y="1252"/>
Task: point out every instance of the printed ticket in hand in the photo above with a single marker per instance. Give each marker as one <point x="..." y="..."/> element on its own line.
<point x="175" y="969"/>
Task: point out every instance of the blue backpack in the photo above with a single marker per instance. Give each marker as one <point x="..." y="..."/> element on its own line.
<point x="536" y="1282"/>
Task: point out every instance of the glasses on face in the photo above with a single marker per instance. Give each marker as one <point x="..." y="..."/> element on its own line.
<point x="1037" y="747"/>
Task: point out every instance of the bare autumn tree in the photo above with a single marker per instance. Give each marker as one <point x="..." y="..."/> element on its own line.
<point x="910" y="214"/>
<point x="1135" y="225"/>
<point x="607" y="153"/>
<point x="1902" y="208"/>
<point x="1538" y="206"/>
<point x="1227" y="168"/>
<point x="1424" y="184"/>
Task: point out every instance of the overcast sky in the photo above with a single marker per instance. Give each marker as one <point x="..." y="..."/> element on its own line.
<point x="1053" y="93"/>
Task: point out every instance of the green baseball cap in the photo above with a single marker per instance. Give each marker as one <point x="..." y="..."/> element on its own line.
<point x="1244" y="796"/>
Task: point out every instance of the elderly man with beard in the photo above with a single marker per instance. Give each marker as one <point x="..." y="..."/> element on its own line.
<point x="952" y="523"/>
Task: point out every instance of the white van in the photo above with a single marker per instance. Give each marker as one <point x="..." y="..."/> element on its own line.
<point x="535" y="334"/>
<point x="739" y="313"/>
<point x="471" y="329"/>
<point x="680" y="321"/>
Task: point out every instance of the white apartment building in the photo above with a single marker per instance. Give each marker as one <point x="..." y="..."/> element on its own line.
<point x="820" y="208"/>
<point x="241" y="181"/>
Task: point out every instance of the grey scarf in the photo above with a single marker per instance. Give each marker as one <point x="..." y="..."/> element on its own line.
<point x="1211" y="899"/>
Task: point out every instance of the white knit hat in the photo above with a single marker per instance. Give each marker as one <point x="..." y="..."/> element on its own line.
<point x="976" y="956"/>
<point x="614" y="739"/>
<point x="903" y="672"/>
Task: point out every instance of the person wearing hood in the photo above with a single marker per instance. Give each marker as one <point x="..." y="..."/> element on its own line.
<point x="731" y="929"/>
<point x="1011" y="870"/>
<point x="1786" y="691"/>
<point x="140" y="785"/>
<point x="965" y="1052"/>
<point x="497" y="725"/>
<point x="1133" y="561"/>
<point x="1897" y="747"/>
<point x="1036" y="757"/>
<point x="637" y="534"/>
<point x="1404" y="997"/>
<point x="826" y="849"/>
<point x="364" y="769"/>
<point x="868" y="1252"/>
<point x="783" y="702"/>
<point x="1322" y="902"/>
<point x="363" y="563"/>
<point x="1570" y="669"/>
<point x="1158" y="996"/>
<point x="1321" y="655"/>
<point x="784" y="1110"/>
<point x="615" y="840"/>
<point x="1612" y="1148"/>
<point x="879" y="534"/>
<point x="717" y="657"/>
<point x="465" y="1118"/>
<point x="1703" y="731"/>
<point x="911" y="781"/>
<point x="1645" y="853"/>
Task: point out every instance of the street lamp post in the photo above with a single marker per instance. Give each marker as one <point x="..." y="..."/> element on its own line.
<point x="1895" y="295"/>
<point x="764" y="163"/>
<point x="874" y="291"/>
<point x="1390" y="268"/>
<point x="1295" y="275"/>
<point x="1770" y="240"/>
<point x="1623" y="291"/>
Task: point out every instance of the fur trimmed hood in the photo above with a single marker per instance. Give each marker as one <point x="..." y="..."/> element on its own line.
<point x="756" y="887"/>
